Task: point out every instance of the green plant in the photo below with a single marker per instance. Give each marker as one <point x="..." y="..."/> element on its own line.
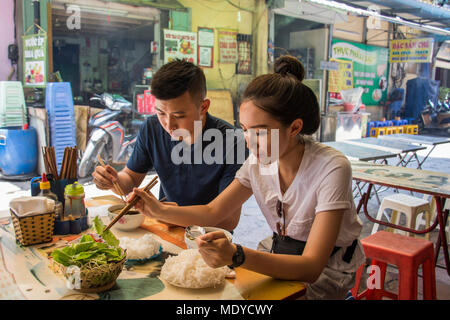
<point x="443" y="91"/>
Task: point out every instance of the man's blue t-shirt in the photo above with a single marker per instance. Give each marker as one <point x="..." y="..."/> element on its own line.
<point x="190" y="183"/>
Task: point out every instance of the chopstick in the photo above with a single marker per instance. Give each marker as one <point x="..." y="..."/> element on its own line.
<point x="133" y="202"/>
<point x="116" y="185"/>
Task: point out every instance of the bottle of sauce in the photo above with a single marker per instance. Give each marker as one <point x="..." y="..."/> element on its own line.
<point x="74" y="207"/>
<point x="44" y="185"/>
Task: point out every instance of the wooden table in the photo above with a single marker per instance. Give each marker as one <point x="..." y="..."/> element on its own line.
<point x="436" y="184"/>
<point x="26" y="270"/>
<point x="432" y="141"/>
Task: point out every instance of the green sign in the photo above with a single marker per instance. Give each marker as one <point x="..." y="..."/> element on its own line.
<point x="35" y="60"/>
<point x="370" y="68"/>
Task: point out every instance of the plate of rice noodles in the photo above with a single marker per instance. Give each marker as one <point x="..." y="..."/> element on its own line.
<point x="141" y="249"/>
<point x="189" y="270"/>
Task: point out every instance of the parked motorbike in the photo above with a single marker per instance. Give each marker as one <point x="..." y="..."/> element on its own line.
<point x="435" y="119"/>
<point x="113" y="133"/>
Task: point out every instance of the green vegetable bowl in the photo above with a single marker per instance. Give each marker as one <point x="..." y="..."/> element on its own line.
<point x="91" y="265"/>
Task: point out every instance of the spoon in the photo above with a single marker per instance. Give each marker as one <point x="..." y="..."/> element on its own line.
<point x="194" y="232"/>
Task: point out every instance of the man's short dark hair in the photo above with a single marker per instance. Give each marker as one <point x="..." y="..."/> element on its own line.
<point x="175" y="78"/>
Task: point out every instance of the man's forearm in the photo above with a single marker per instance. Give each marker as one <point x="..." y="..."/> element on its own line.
<point x="126" y="182"/>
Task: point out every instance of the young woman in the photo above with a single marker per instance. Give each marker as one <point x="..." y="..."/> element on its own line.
<point x="304" y="193"/>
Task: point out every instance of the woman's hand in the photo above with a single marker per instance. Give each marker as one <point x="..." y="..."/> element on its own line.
<point x="216" y="249"/>
<point x="104" y="177"/>
<point x="147" y="203"/>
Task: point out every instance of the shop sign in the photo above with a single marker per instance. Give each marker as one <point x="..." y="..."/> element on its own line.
<point x="35" y="60"/>
<point x="180" y="45"/>
<point x="228" y="52"/>
<point x="411" y="50"/>
<point x="370" y="68"/>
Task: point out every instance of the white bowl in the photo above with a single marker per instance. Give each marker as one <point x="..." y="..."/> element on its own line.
<point x="127" y="222"/>
<point x="192" y="244"/>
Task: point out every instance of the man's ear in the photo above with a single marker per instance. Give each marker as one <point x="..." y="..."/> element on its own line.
<point x="296" y="127"/>
<point x="205" y="106"/>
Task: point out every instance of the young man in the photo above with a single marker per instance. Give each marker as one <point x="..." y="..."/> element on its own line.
<point x="180" y="90"/>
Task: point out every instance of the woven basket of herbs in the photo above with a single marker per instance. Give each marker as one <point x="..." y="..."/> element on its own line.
<point x="90" y="264"/>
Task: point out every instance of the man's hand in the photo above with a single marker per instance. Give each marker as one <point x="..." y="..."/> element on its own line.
<point x="147" y="203"/>
<point x="216" y="249"/>
<point x="104" y="177"/>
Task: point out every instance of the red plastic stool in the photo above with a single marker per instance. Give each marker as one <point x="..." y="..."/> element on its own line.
<point x="407" y="254"/>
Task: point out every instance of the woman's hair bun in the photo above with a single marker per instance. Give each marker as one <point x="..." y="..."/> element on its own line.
<point x="289" y="65"/>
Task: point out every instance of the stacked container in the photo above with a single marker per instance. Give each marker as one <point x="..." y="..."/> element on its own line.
<point x="61" y="117"/>
<point x="12" y="104"/>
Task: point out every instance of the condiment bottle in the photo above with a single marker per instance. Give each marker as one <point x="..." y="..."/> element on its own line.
<point x="74" y="201"/>
<point x="44" y="185"/>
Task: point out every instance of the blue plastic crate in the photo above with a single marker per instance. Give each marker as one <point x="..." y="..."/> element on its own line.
<point x="61" y="116"/>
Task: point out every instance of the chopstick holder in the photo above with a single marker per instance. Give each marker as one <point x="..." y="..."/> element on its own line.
<point x="133" y="202"/>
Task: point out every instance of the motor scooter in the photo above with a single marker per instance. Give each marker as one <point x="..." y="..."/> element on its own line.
<point x="113" y="133"/>
<point x="435" y="119"/>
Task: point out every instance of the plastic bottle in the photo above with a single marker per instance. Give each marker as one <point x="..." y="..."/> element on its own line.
<point x="74" y="201"/>
<point x="44" y="185"/>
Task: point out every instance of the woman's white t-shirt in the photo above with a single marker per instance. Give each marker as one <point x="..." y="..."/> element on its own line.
<point x="323" y="182"/>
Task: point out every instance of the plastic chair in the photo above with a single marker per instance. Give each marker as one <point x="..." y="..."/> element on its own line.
<point x="380" y="131"/>
<point x="407" y="254"/>
<point x="412" y="129"/>
<point x="398" y="129"/>
<point x="390" y="130"/>
<point x="422" y="219"/>
<point x="410" y="206"/>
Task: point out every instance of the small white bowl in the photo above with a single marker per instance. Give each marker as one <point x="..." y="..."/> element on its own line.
<point x="129" y="221"/>
<point x="192" y="244"/>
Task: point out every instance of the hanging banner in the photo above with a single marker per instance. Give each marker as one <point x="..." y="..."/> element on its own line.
<point x="180" y="45"/>
<point x="411" y="50"/>
<point x="370" y="68"/>
<point x="244" y="65"/>
<point x="228" y="52"/>
<point x="35" y="60"/>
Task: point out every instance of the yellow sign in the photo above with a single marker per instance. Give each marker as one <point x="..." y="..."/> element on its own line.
<point x="342" y="79"/>
<point x="411" y="50"/>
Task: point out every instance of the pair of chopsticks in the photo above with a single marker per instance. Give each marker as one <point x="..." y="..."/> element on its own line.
<point x="48" y="153"/>
<point x="133" y="202"/>
<point x="68" y="168"/>
<point x="116" y="185"/>
<point x="69" y="164"/>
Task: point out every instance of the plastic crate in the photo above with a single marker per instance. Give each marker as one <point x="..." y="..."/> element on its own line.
<point x="61" y="117"/>
<point x="12" y="104"/>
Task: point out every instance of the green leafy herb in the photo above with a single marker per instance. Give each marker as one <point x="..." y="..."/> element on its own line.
<point x="88" y="250"/>
<point x="108" y="236"/>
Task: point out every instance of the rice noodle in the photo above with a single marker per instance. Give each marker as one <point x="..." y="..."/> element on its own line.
<point x="140" y="248"/>
<point x="189" y="270"/>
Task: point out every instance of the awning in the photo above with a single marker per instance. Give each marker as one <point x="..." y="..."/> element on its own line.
<point x="160" y="4"/>
<point x="412" y="10"/>
<point x="418" y="15"/>
<point x="311" y="12"/>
